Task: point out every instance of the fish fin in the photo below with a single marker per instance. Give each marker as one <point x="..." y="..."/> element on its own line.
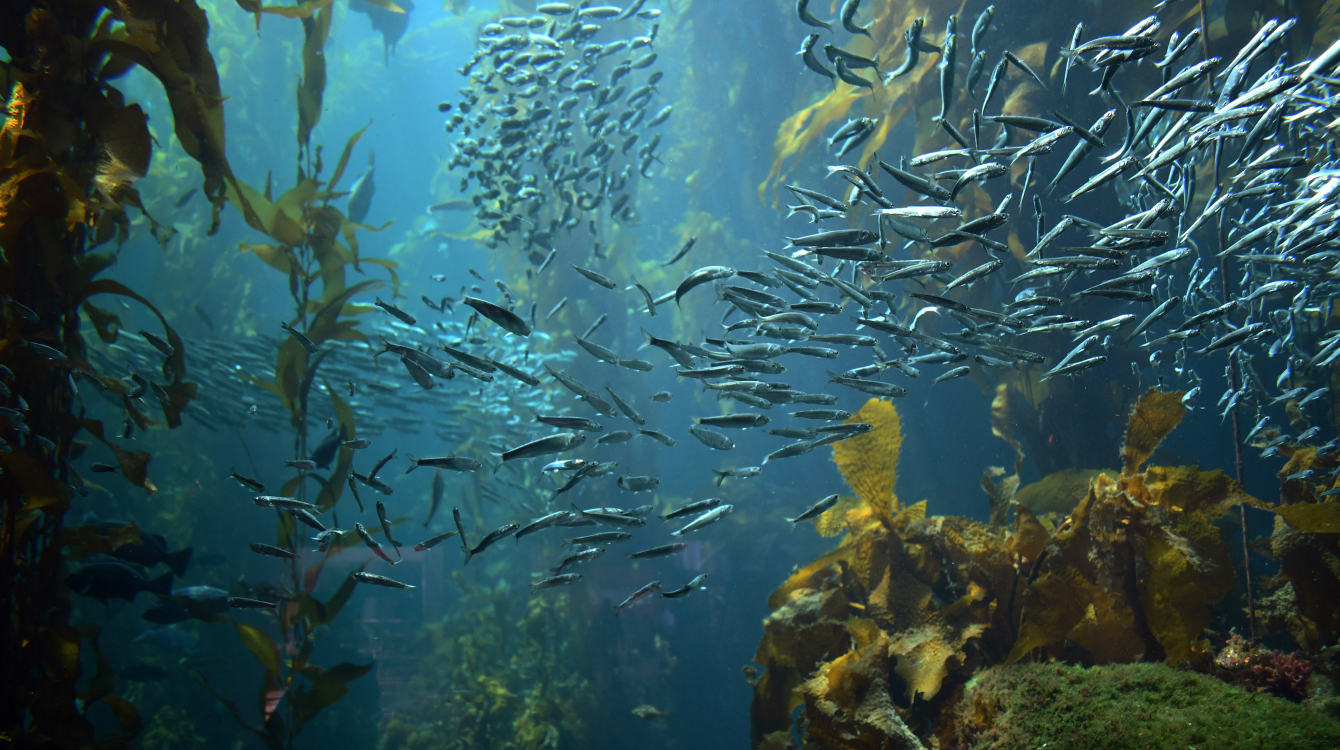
<point x="177" y="561"/>
<point x="162" y="585"/>
<point x="413" y="463"/>
<point x="468" y="554"/>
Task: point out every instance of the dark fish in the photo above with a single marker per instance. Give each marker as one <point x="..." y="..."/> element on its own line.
<point x="593" y="276"/>
<point x="272" y="551"/>
<point x="453" y="463"/>
<point x="695" y="585"/>
<point x="152" y="550"/>
<point x="812" y="60"/>
<point x="814" y="510"/>
<point x="566" y="579"/>
<point x="353" y="487"/>
<point x="377" y="580"/>
<point x="327" y="449"/>
<point x="802" y="10"/>
<point x="558" y="443"/>
<point x="114" y="579"/>
<point x="848" y="16"/>
<point x="372" y="543"/>
<point x="386" y="527"/>
<point x="664" y="550"/>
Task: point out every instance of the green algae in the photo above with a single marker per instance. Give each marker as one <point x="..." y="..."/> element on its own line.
<point x="1119" y="707"/>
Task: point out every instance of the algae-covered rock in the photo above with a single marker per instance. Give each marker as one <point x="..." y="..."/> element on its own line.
<point x="1128" y="706"/>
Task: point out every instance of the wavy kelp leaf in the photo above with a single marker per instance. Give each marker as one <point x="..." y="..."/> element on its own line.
<point x="1060" y="491"/>
<point x="264" y="216"/>
<point x="803" y="578"/>
<point x="344" y="160"/>
<point x="312" y="85"/>
<point x="849" y="698"/>
<point x="1152" y="419"/>
<point x="261" y="646"/>
<point x="834" y="520"/>
<point x="275" y="257"/>
<point x="134" y="464"/>
<point x="1002" y="423"/>
<point x="107" y="324"/>
<point x="1314" y="518"/>
<point x="869" y="462"/>
<point x="1027" y="539"/>
<point x="271" y="742"/>
<point x="808" y="629"/>
<point x="121" y="132"/>
<point x="1187" y="570"/>
<point x="254" y="8"/>
<point x="175" y="50"/>
<point x="341" y="596"/>
<point x="1187" y="489"/>
<point x="328" y="686"/>
<point x="999" y="494"/>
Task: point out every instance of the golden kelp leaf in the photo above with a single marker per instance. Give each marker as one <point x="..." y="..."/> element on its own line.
<point x="1027" y="539"/>
<point x="1188" y="489"/>
<point x="1315" y="518"/>
<point x="869" y="462"/>
<point x="803" y="578"/>
<point x="1060" y="491"/>
<point x="344" y="159"/>
<point x="1107" y="629"/>
<point x="312" y="85"/>
<point x="1187" y="570"/>
<point x="1155" y="415"/>
<point x="260" y="645"/>
<point x="86" y="540"/>
<point x="909" y="514"/>
<point x="1055" y="606"/>
<point x="264" y="216"/>
<point x="275" y="257"/>
<point x="999" y="494"/>
<point x="834" y="520"/>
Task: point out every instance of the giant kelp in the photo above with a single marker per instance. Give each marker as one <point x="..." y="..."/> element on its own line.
<point x="71" y="149"/>
<point x="878" y="634"/>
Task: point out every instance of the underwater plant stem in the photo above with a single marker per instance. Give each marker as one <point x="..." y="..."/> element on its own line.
<point x="1237" y="439"/>
<point x="1204" y="34"/>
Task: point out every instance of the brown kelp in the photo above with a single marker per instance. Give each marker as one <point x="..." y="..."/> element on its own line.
<point x="71" y="149"/>
<point x="879" y="634"/>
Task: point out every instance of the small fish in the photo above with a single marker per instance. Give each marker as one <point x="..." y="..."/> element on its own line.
<point x="695" y="585"/>
<point x="662" y="397"/>
<point x="251" y="484"/>
<point x="404" y="317"/>
<point x="638" y="484"/>
<point x="664" y="550"/>
<point x="702" y="276"/>
<point x="353" y="487"/>
<point x="806" y="17"/>
<point x="434" y="541"/>
<point x="604" y="537"/>
<point x="162" y="346"/>
<point x="452" y="463"/>
<point x="272" y="551"/>
<point x="299" y="337"/>
<point x="504" y="318"/>
<point x="577" y="558"/>
<point x="382" y="463"/>
<point x="283" y="503"/>
<point x="660" y="437"/>
<point x="812" y="62"/>
<point x="386" y="527"/>
<point x="372" y="543"/>
<point x="710" y="517"/>
<point x="593" y="276"/>
<point x="848" y="17"/>
<point x="712" y="439"/>
<point x="493" y="536"/>
<point x="606" y="518"/>
<point x="618" y="436"/>
<point x="651" y="303"/>
<point x="742" y="473"/>
<point x="692" y="508"/>
<point x="301" y="464"/>
<point x="688" y="244"/>
<point x="565" y="579"/>
<point x="641" y="593"/>
<point x="377" y="580"/>
<point x="625" y="407"/>
<point x="814" y="510"/>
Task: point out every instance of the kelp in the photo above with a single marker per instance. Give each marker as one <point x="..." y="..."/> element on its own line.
<point x="879" y="634"/>
<point x="71" y="152"/>
<point x="869" y="462"/>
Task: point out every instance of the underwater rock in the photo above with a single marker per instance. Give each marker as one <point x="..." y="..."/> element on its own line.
<point x="1126" y="706"/>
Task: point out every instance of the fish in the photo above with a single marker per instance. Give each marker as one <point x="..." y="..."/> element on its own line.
<point x="396" y="312"/>
<point x="272" y="551"/>
<point x="806" y="17"/>
<point x="386" y="527"/>
<point x="814" y="510"/>
<point x="698" y="506"/>
<point x="493" y="536"/>
<point x="712" y="439"/>
<point x="848" y="17"/>
<point x="604" y="537"/>
<point x="701" y="276"/>
<point x="451" y="463"/>
<point x="558" y="443"/>
<point x="377" y="580"/>
<point x="694" y="585"/>
<point x="845" y="73"/>
<point x="638" y="484"/>
<point x="353" y="488"/>
<point x="565" y="579"/>
<point x="710" y="517"/>
<point x="688" y="244"/>
<point x="301" y="338"/>
<point x="593" y="276"/>
<point x="372" y="543"/>
<point x="114" y="579"/>
<point x="664" y="550"/>
<point x="577" y="558"/>
<point x="360" y="195"/>
<point x="736" y="421"/>
<point x="504" y="318"/>
<point x="641" y="593"/>
<point x="618" y="520"/>
<point x="625" y="407"/>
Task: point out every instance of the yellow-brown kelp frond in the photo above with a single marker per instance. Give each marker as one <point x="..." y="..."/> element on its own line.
<point x="1135" y="570"/>
<point x="1060" y="491"/>
<point x="869" y="462"/>
<point x="1155" y="415"/>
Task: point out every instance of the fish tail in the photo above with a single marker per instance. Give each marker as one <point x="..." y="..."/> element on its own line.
<point x="162" y="585"/>
<point x="413" y="463"/>
<point x="177" y="561"/>
<point x="468" y="554"/>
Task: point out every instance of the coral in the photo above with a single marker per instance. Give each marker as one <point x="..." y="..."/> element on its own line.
<point x="1126" y="706"/>
<point x="869" y="462"/>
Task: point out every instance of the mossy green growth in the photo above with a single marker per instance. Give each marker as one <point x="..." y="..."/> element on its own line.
<point x="1120" y="707"/>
